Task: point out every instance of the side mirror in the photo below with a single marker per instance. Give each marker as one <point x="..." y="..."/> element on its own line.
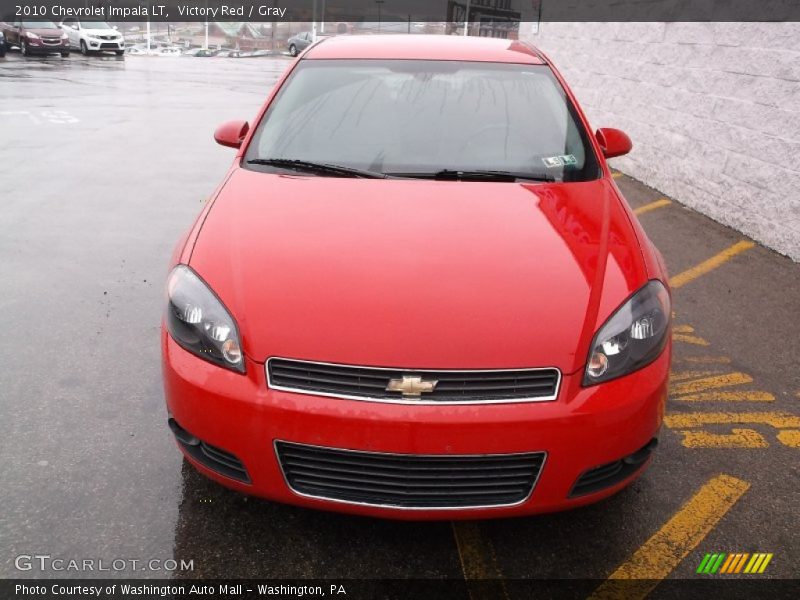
<point x="231" y="133"/>
<point x="613" y="142"/>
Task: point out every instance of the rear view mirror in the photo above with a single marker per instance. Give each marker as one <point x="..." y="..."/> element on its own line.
<point x="231" y="133"/>
<point x="613" y="142"/>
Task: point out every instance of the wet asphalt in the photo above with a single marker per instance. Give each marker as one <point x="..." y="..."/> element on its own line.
<point x="104" y="162"/>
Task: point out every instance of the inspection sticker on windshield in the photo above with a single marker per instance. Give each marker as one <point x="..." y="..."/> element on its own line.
<point x="564" y="160"/>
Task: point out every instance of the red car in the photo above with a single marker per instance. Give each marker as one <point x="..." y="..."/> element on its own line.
<point x="36" y="37"/>
<point x="418" y="292"/>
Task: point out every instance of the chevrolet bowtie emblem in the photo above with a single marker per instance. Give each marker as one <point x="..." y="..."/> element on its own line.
<point x="412" y="386"/>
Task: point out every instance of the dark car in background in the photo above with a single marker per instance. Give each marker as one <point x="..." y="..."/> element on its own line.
<point x="299" y="42"/>
<point x="2" y="45"/>
<point x="36" y="37"/>
<point x="201" y="52"/>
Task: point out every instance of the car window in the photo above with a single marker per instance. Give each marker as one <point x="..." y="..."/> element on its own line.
<point x="95" y="25"/>
<point x="409" y="116"/>
<point x="39" y="25"/>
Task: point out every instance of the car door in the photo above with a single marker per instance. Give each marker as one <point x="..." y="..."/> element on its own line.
<point x="71" y="27"/>
<point x="13" y="34"/>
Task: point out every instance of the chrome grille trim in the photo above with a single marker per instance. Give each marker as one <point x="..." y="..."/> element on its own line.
<point x="422" y="401"/>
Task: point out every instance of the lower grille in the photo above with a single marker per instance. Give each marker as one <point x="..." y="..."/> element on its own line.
<point x="408" y="480"/>
<point x="604" y="476"/>
<point x="214" y="458"/>
<point x="429" y="386"/>
<point x="112" y="46"/>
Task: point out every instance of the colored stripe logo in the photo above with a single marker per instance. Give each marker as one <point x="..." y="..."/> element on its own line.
<point x="737" y="562"/>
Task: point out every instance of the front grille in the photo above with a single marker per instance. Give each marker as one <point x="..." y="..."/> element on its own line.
<point x="408" y="480"/>
<point x="114" y="46"/>
<point x="370" y="383"/>
<point x="609" y="474"/>
<point x="52" y="42"/>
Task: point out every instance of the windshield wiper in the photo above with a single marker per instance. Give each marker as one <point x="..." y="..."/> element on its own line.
<point x="477" y="175"/>
<point x="315" y="167"/>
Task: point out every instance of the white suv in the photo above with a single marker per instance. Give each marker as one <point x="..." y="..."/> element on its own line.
<point x="93" y="36"/>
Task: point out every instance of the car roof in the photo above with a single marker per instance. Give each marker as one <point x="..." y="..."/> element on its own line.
<point x="425" y="47"/>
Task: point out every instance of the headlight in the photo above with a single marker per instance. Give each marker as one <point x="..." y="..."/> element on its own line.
<point x="198" y="321"/>
<point x="31" y="35"/>
<point x="64" y="36"/>
<point x="632" y="337"/>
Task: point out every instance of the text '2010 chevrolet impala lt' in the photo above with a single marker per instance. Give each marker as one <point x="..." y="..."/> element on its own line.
<point x="418" y="292"/>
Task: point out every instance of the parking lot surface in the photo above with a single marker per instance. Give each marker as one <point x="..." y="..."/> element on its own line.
<point x="104" y="163"/>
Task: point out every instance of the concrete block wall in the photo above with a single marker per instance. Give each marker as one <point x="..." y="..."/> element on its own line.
<point x="713" y="110"/>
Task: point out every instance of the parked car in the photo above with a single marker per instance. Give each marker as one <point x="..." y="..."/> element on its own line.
<point x="227" y="54"/>
<point x="35" y="37"/>
<point x="137" y="50"/>
<point x="2" y="45"/>
<point x="200" y="52"/>
<point x="298" y="43"/>
<point x="93" y="36"/>
<point x="168" y="51"/>
<point x="418" y="292"/>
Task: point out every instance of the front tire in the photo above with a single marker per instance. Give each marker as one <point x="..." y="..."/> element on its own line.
<point x="292" y="50"/>
<point x="84" y="48"/>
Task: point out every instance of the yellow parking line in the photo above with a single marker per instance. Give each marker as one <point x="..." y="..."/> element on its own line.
<point x="704" y="360"/>
<point x="683" y="333"/>
<point x="738" y="438"/>
<point x="652" y="206"/>
<point x="658" y="556"/>
<point x="712" y="263"/>
<point x="778" y="420"/>
<point x="789" y="437"/>
<point x="708" y="383"/>
<point x="478" y="561"/>
<point x="755" y="396"/>
<point x="684" y="375"/>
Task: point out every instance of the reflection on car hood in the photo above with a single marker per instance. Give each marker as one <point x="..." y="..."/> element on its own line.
<point x="413" y="273"/>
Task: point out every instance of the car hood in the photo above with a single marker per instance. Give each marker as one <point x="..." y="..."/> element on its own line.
<point x="45" y="32"/>
<point x="418" y="274"/>
<point x="96" y="32"/>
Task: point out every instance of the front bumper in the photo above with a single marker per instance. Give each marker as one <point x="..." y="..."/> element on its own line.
<point x="104" y="45"/>
<point x="581" y="430"/>
<point x="38" y="47"/>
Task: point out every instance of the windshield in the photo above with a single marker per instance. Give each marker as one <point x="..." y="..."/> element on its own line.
<point x="95" y="25"/>
<point x="39" y="25"/>
<point x="406" y="117"/>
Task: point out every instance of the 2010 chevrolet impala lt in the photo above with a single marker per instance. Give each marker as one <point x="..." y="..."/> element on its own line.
<point x="418" y="292"/>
